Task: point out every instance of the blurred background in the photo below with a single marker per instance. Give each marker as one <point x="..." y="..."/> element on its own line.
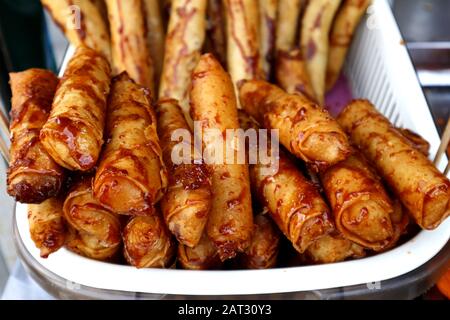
<point x="29" y="38"/>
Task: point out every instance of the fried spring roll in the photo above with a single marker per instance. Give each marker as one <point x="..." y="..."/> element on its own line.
<point x="333" y="248"/>
<point x="243" y="56"/>
<point x="216" y="33"/>
<point x="213" y="104"/>
<point x="264" y="246"/>
<point x="131" y="175"/>
<point x="341" y="34"/>
<point x="305" y="129"/>
<point x="361" y="207"/>
<point x="73" y="133"/>
<point x="416" y="140"/>
<point x="47" y="227"/>
<point x="316" y="25"/>
<point x="97" y="229"/>
<point x="203" y="256"/>
<point x="400" y="221"/>
<point x="293" y="202"/>
<point x="291" y="73"/>
<point x="148" y="243"/>
<point x="130" y="51"/>
<point x="267" y="25"/>
<point x="187" y="202"/>
<point x="423" y="190"/>
<point x="184" y="41"/>
<point x="33" y="176"/>
<point x="82" y="23"/>
<point x="287" y="23"/>
<point x="155" y="36"/>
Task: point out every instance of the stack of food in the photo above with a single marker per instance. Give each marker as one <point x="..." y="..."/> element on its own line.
<point x="94" y="153"/>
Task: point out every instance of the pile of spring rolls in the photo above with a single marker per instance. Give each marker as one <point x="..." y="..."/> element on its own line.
<point x="92" y="152"/>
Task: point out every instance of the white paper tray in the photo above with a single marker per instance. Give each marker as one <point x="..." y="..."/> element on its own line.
<point x="378" y="68"/>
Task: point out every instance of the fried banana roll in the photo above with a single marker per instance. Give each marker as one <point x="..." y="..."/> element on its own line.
<point x="305" y="129"/>
<point x="47" y="226"/>
<point x="33" y="175"/>
<point x="130" y="50"/>
<point x="244" y="59"/>
<point x="361" y="207"/>
<point x="82" y="22"/>
<point x="287" y="23"/>
<point x="333" y="248"/>
<point x="131" y="176"/>
<point x="97" y="230"/>
<point x="187" y="202"/>
<point x="423" y="190"/>
<point x="264" y="247"/>
<point x="73" y="133"/>
<point x="291" y="73"/>
<point x="148" y="243"/>
<point x="213" y="104"/>
<point x="155" y="36"/>
<point x="184" y="41"/>
<point x="341" y="34"/>
<point x="267" y="25"/>
<point x="316" y="25"/>
<point x="203" y="256"/>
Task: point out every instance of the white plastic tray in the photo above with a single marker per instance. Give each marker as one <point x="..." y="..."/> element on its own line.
<point x="378" y="68"/>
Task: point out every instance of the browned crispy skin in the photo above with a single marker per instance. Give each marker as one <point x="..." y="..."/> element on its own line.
<point x="90" y="30"/>
<point x="361" y="207"/>
<point x="47" y="227"/>
<point x="263" y="250"/>
<point x="33" y="176"/>
<point x="333" y="248"/>
<point x="155" y="36"/>
<point x="287" y="23"/>
<point x="73" y="133"/>
<point x="400" y="221"/>
<point x="291" y="73"/>
<point x="423" y="190"/>
<point x="130" y="50"/>
<point x="267" y="29"/>
<point x="243" y="56"/>
<point x="416" y="140"/>
<point x="148" y="243"/>
<point x="293" y="202"/>
<point x="216" y="31"/>
<point x="305" y="129"/>
<point x="213" y="104"/>
<point x="203" y="256"/>
<point x="341" y="34"/>
<point x="131" y="176"/>
<point x="187" y="202"/>
<point x="96" y="230"/>
<point x="184" y="41"/>
<point x="314" y="40"/>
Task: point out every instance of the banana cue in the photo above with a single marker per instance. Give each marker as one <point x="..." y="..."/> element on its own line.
<point x="292" y="201"/>
<point x="73" y="133"/>
<point x="33" y="176"/>
<point x="341" y="34"/>
<point x="148" y="243"/>
<point x="131" y="176"/>
<point x="203" y="256"/>
<point x="305" y="129"/>
<point x="47" y="226"/>
<point x="184" y="41"/>
<point x="316" y="25"/>
<point x="213" y="104"/>
<point x="130" y="50"/>
<point x="287" y="23"/>
<point x="187" y="202"/>
<point x="423" y="190"/>
<point x="95" y="230"/>
<point x="82" y="22"/>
